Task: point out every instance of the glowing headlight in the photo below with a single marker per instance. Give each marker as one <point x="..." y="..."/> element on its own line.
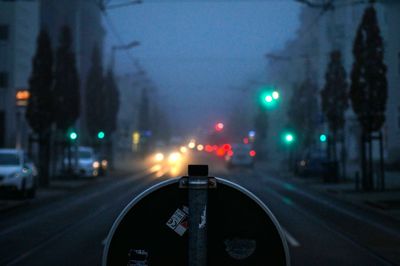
<point x="183" y="149"/>
<point x="96" y="164"/>
<point x="192" y="145"/>
<point x="174" y="157"/>
<point x="159" y="157"/>
<point x="104" y="163"/>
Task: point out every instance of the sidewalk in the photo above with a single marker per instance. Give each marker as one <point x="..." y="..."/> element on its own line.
<point x="62" y="187"/>
<point x="383" y="202"/>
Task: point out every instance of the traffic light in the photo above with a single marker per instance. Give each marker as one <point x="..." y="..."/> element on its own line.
<point x="101" y="135"/>
<point x="323" y="138"/>
<point x="73" y="135"/>
<point x="269" y="97"/>
<point x="219" y="126"/>
<point x="288" y="138"/>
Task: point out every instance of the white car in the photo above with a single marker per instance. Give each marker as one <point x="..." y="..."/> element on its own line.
<point x="15" y="173"/>
<point x="88" y="165"/>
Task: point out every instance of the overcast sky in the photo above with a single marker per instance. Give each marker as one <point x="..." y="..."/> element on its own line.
<point x="199" y="52"/>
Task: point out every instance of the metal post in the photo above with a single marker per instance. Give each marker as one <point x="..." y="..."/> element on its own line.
<point x="381" y="161"/>
<point x="198" y="197"/>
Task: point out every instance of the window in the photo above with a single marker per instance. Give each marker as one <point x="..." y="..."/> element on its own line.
<point x="3" y="32"/>
<point x="398" y="116"/>
<point x="2" y="128"/>
<point x="398" y="59"/>
<point x="3" y="80"/>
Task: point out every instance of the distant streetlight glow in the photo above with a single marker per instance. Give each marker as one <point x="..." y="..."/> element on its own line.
<point x="275" y="95"/>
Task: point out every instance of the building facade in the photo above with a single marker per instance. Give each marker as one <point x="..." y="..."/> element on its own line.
<point x="19" y="26"/>
<point x="20" y="23"/>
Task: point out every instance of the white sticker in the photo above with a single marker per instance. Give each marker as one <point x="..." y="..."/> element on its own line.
<point x="178" y="221"/>
<point x="175" y="219"/>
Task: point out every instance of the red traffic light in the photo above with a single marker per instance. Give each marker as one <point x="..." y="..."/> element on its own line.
<point x="252" y="153"/>
<point x="219" y="126"/>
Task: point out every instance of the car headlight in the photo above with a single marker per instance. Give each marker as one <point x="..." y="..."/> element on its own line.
<point x="96" y="164"/>
<point x="104" y="163"/>
<point x="159" y="157"/>
<point x="174" y="157"/>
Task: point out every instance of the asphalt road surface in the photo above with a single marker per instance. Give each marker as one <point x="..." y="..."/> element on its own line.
<point x="71" y="230"/>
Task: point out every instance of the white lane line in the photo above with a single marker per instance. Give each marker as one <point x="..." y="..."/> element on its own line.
<point x="292" y="241"/>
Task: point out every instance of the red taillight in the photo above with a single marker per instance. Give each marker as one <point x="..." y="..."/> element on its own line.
<point x="220" y="152"/>
<point x="230" y="153"/>
<point x="252" y="153"/>
<point x="227" y="147"/>
<point x="209" y="148"/>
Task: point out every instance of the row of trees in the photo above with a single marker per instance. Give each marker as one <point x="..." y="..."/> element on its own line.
<point x="367" y="94"/>
<point x="55" y="102"/>
<point x="55" y="97"/>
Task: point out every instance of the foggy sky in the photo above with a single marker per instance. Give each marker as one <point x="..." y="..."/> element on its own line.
<point x="199" y="53"/>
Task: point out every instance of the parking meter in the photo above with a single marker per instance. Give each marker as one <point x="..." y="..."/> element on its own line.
<point x="227" y="226"/>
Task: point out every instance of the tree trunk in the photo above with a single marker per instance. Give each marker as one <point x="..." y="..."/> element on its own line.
<point x="334" y="147"/>
<point x="44" y="159"/>
<point x="381" y="161"/>
<point x="370" y="164"/>
<point x="363" y="162"/>
<point x="343" y="155"/>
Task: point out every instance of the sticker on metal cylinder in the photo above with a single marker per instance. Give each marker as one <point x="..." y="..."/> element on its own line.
<point x="179" y="221"/>
<point x="138" y="257"/>
<point x="239" y="248"/>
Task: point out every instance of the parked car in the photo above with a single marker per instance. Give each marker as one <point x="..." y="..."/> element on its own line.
<point x="88" y="165"/>
<point x="17" y="173"/>
<point x="102" y="162"/>
<point x="240" y="155"/>
<point x="313" y="163"/>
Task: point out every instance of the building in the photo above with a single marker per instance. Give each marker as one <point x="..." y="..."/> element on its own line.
<point x="19" y="26"/>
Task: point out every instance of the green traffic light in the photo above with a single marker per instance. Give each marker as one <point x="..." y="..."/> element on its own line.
<point x="288" y="138"/>
<point x="269" y="97"/>
<point x="322" y="138"/>
<point x="101" y="135"/>
<point x="73" y="135"/>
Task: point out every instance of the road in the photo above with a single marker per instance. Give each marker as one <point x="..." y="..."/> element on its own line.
<point x="71" y="230"/>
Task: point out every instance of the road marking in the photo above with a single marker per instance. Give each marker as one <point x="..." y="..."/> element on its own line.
<point x="290" y="239"/>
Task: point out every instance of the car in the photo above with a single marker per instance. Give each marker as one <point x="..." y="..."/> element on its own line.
<point x="88" y="165"/>
<point x="312" y="164"/>
<point x="102" y="162"/>
<point x="240" y="155"/>
<point x="17" y="173"/>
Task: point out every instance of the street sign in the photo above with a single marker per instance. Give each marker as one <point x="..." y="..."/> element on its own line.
<point x="153" y="229"/>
